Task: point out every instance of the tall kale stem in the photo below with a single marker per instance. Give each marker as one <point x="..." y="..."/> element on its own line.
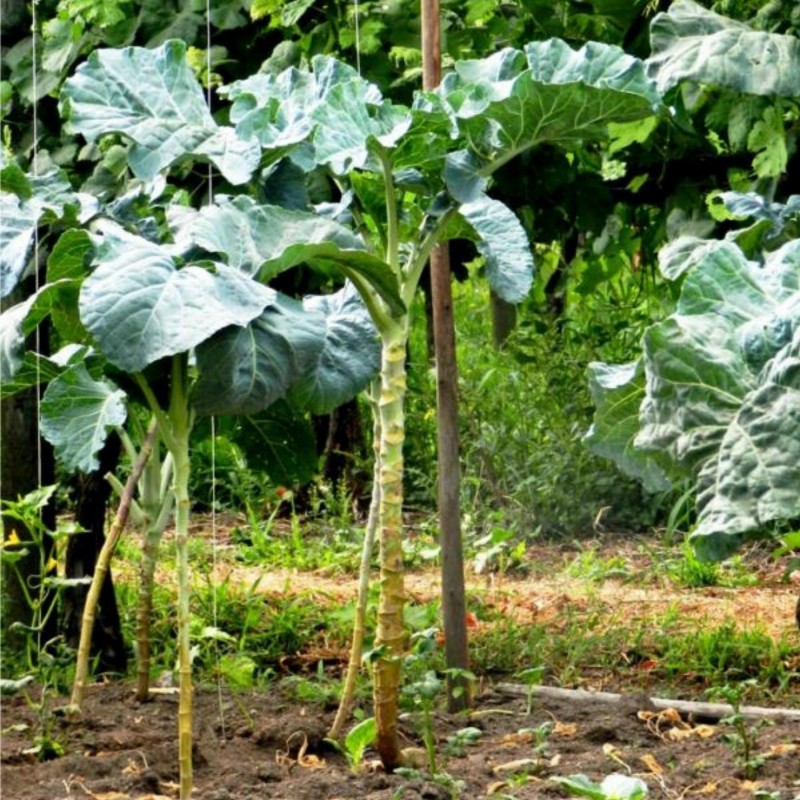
<point x="390" y="634"/>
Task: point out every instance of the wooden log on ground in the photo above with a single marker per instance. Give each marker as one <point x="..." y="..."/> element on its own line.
<point x="706" y="710"/>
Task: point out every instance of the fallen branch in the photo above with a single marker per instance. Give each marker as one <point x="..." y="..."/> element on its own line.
<point x="707" y="710"/>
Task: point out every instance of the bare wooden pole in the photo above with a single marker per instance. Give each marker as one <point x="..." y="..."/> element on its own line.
<point x="453" y="597"/>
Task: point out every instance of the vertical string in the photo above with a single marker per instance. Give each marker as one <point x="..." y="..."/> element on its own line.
<point x="358" y="37"/>
<point x="36" y="282"/>
<point x="36" y="278"/>
<point x="214" y="554"/>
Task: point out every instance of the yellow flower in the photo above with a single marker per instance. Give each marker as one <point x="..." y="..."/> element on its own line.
<point x="12" y="540"/>
<point x="51" y="566"/>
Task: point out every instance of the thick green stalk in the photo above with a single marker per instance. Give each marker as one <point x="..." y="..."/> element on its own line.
<point x="102" y="566"/>
<point x="357" y="645"/>
<point x="147" y="569"/>
<point x="390" y="636"/>
<point x="157" y="500"/>
<point x="180" y="419"/>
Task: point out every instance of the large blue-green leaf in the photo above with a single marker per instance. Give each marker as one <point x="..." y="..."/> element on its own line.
<point x="20" y="320"/>
<point x="722" y="390"/>
<point x="753" y="477"/>
<point x="32" y="370"/>
<point x="691" y="43"/>
<point x="274" y="108"/>
<point x="14" y="327"/>
<point x="331" y="108"/>
<point x="697" y="376"/>
<point x="774" y="223"/>
<point x="617" y="392"/>
<point x="265" y="240"/>
<point x="549" y="93"/>
<point x="243" y="370"/>
<point x="504" y="244"/>
<point x="140" y="307"/>
<point x="321" y="352"/>
<point x="347" y="355"/>
<point x="153" y="98"/>
<point x="348" y="125"/>
<point x="17" y="227"/>
<point x="77" y="413"/>
<point x="36" y="199"/>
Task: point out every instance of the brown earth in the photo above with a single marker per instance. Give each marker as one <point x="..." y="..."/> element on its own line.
<point x="256" y="746"/>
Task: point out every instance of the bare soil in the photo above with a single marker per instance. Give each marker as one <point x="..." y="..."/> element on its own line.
<point x="255" y="746"/>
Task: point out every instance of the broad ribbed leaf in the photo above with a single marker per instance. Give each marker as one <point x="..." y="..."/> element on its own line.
<point x="19" y="321"/>
<point x="245" y="370"/>
<point x="43" y="198"/>
<point x="77" y="413"/>
<point x="552" y="94"/>
<point x="153" y="98"/>
<point x="13" y="330"/>
<point x="697" y="376"/>
<point x="753" y="478"/>
<point x="273" y="108"/>
<point x="723" y="389"/>
<point x="348" y="125"/>
<point x="322" y="351"/>
<point x="691" y="43"/>
<point x="140" y="307"/>
<point x="17" y="227"/>
<point x="266" y="240"/>
<point x="348" y="356"/>
<point x="775" y="223"/>
<point x="682" y="254"/>
<point x="617" y="392"/>
<point x="33" y="370"/>
<point x="504" y="244"/>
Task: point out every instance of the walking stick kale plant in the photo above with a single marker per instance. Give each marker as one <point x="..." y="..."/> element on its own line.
<point x="176" y="298"/>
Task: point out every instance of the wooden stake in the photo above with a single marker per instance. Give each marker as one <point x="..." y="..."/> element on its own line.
<point x="453" y="595"/>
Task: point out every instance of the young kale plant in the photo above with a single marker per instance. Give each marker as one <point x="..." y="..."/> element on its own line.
<point x="408" y="179"/>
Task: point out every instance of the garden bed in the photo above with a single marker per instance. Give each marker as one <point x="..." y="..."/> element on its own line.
<point x="266" y="745"/>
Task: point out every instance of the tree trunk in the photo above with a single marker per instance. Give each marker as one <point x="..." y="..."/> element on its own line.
<point x="91" y="495"/>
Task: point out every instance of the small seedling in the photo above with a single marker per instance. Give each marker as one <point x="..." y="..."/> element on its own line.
<point x="540" y="738"/>
<point x="531" y="677"/>
<point x="356" y="743"/>
<point x="613" y="787"/>
<point x="743" y="739"/>
<point x="423" y="694"/>
<point x="457" y="743"/>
